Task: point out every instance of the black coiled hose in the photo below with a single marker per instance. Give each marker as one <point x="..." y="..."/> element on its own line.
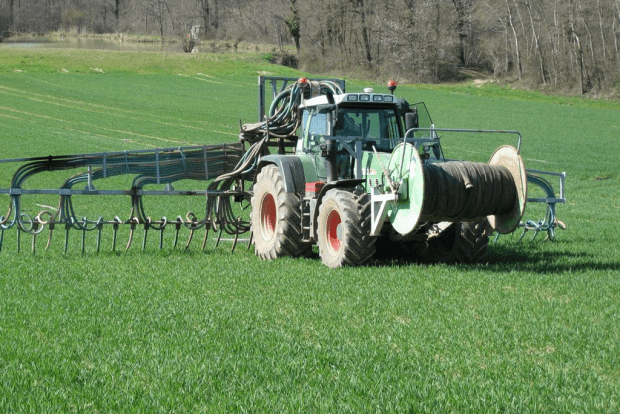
<point x="467" y="190"/>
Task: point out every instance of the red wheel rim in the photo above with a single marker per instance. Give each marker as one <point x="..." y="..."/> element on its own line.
<point x="331" y="228"/>
<point x="268" y="215"/>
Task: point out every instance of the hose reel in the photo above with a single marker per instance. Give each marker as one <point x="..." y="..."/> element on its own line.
<point x="457" y="190"/>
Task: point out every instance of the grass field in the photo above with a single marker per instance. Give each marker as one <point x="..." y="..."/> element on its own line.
<point x="537" y="329"/>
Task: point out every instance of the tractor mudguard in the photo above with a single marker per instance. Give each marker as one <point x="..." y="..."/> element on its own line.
<point x="330" y="186"/>
<point x="350" y="183"/>
<point x="292" y="171"/>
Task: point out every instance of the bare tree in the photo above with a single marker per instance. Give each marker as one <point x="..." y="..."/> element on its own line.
<point x="463" y="10"/>
<point x="365" y="31"/>
<point x="616" y="18"/>
<point x="117" y="12"/>
<point x="515" y="39"/>
<point x="11" y="14"/>
<point x="537" y="44"/>
<point x="293" y="25"/>
<point x="205" y="12"/>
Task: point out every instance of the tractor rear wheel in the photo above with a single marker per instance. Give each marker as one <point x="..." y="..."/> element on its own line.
<point x="465" y="242"/>
<point x="344" y="228"/>
<point x="276" y="217"/>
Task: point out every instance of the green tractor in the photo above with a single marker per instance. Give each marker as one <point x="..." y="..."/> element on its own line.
<point x="368" y="173"/>
<point x="354" y="173"/>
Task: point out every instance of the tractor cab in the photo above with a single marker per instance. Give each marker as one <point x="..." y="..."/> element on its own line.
<point x="357" y="128"/>
<point x="375" y="119"/>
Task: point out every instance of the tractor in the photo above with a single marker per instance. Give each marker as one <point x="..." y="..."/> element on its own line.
<point x="368" y="170"/>
<point x="355" y="173"/>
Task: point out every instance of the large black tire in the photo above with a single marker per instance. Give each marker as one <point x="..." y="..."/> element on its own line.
<point x="344" y="228"/>
<point x="276" y="218"/>
<point x="465" y="242"/>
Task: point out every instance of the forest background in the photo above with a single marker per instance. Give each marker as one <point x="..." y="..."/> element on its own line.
<point x="559" y="46"/>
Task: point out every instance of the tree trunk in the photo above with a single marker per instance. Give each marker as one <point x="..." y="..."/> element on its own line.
<point x="581" y="69"/>
<point x="411" y="26"/>
<point x="507" y="42"/>
<point x="616" y="18"/>
<point x="117" y="13"/>
<point x="215" y="22"/>
<point x="293" y="26"/>
<point x="205" y="13"/>
<point x="527" y="42"/>
<point x="365" y="32"/>
<point x="437" y="41"/>
<point x="171" y="16"/>
<point x="587" y="27"/>
<point x="461" y="16"/>
<point x="516" y="40"/>
<point x="600" y="25"/>
<point x="580" y="58"/>
<point x="554" y="41"/>
<point x="161" y="18"/>
<point x="11" y="15"/>
<point x="543" y="77"/>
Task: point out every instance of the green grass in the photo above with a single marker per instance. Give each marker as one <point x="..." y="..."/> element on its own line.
<point x="534" y="330"/>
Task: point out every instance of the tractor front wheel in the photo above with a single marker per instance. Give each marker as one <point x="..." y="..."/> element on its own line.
<point x="344" y="228"/>
<point x="276" y="217"/>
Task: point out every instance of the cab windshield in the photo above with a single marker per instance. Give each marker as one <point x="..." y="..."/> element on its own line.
<point x="377" y="127"/>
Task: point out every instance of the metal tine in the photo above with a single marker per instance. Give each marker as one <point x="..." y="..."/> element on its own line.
<point x="133" y="221"/>
<point x="34" y="244"/>
<point x="49" y="238"/>
<point x="164" y="221"/>
<point x="189" y="239"/>
<point x="1" y="238"/>
<point x="177" y="225"/>
<point x="117" y="221"/>
<point x="67" y="228"/>
<point x="83" y="235"/>
<point x="204" y="241"/>
<point x="19" y="236"/>
<point x="192" y="230"/>
<point x="99" y="230"/>
<point x="115" y="229"/>
<point x="146" y="232"/>
<point x="236" y="237"/>
<point x="219" y="237"/>
<point x="250" y="239"/>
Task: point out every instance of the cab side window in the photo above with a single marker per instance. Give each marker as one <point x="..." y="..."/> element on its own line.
<point x="315" y="127"/>
<point x="318" y="124"/>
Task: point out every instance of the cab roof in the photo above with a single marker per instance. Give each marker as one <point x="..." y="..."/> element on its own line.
<point x="361" y="99"/>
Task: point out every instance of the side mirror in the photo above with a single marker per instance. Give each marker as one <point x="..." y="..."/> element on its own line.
<point x="411" y="119"/>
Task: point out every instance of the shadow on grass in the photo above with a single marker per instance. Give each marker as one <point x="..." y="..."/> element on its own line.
<point x="510" y="258"/>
